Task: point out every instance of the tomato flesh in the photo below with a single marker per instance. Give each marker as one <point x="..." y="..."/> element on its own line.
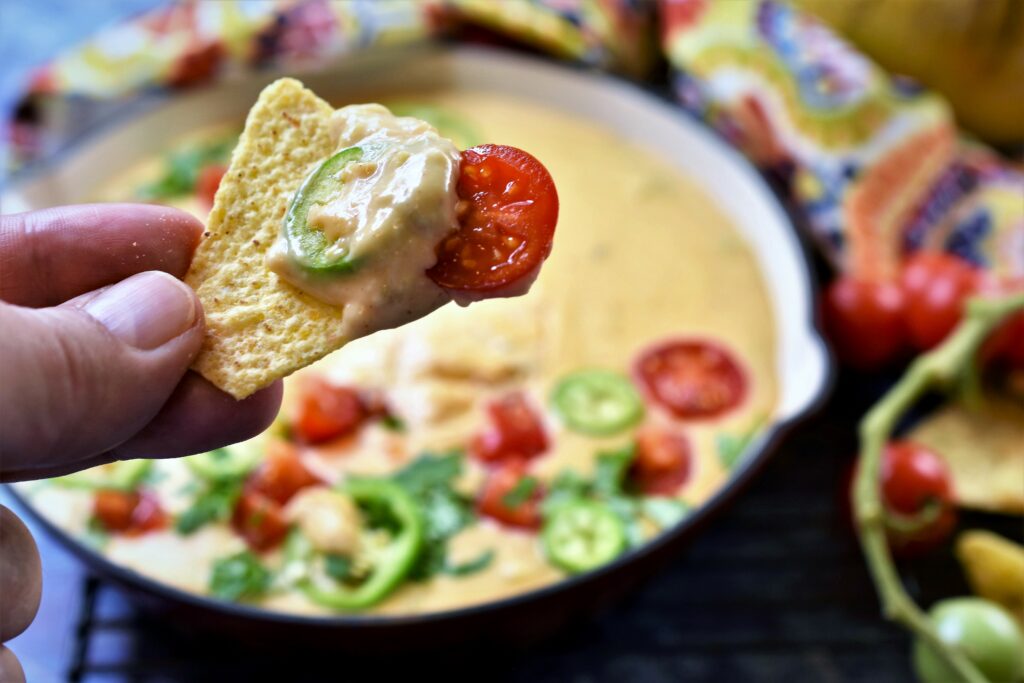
<point x="259" y="520"/>
<point x="128" y="512"/>
<point x="327" y="411"/>
<point x="509" y="208"/>
<point x="516" y="431"/>
<point x="208" y="181"/>
<point x="865" y="322"/>
<point x="935" y="285"/>
<point x="912" y="476"/>
<point x="282" y="474"/>
<point x="662" y="463"/>
<point x="499" y="484"/>
<point x="691" y="378"/>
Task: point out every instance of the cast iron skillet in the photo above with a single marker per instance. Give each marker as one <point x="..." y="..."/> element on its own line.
<point x="532" y="616"/>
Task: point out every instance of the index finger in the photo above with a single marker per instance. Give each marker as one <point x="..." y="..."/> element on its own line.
<point x="52" y="255"/>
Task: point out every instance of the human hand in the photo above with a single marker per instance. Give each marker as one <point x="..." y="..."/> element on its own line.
<point x="97" y="338"/>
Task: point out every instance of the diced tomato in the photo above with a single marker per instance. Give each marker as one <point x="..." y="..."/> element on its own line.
<point x="327" y="411"/>
<point x="260" y="520"/>
<point x="515" y="431"/>
<point x="507" y="227"/>
<point x="128" y="512"/>
<point x="208" y="181"/>
<point x="282" y="474"/>
<point x="865" y="321"/>
<point x="662" y="463"/>
<point x="935" y="285"/>
<point x="691" y="378"/>
<point x="493" y="498"/>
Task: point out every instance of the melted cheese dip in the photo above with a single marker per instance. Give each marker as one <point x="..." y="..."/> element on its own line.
<point x="387" y="214"/>
<point x="641" y="255"/>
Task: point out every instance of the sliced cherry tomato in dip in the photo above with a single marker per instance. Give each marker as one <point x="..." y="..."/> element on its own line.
<point x="662" y="462"/>
<point x="516" y="431"/>
<point x="208" y="181"/>
<point x="935" y="285"/>
<point x="509" y="211"/>
<point x="865" y="321"/>
<point x="282" y="474"/>
<point x="260" y="520"/>
<point x="327" y="411"/>
<point x="691" y="378"/>
<point x="500" y="497"/>
<point x="128" y="512"/>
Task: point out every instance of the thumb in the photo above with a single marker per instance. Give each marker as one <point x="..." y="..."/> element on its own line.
<point x="83" y="377"/>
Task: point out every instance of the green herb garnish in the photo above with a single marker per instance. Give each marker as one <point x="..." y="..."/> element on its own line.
<point x="520" y="493"/>
<point x="213" y="503"/>
<point x="239" y="576"/>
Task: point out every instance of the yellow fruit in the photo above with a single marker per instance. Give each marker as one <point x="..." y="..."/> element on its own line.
<point x="971" y="51"/>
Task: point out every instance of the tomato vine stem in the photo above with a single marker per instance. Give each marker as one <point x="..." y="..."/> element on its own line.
<point x="940" y="368"/>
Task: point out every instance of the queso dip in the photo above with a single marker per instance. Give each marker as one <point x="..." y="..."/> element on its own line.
<point x="538" y="437"/>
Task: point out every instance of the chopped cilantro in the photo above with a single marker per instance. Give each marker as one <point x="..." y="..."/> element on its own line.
<point x="478" y="564"/>
<point x="182" y="167"/>
<point x="213" y="503"/>
<point x="520" y="493"/>
<point x="392" y="423"/>
<point x="239" y="576"/>
<point x="338" y="567"/>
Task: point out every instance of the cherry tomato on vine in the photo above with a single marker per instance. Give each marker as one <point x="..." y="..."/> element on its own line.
<point x="510" y="210"/>
<point x="865" y="321"/>
<point x="912" y="478"/>
<point x="981" y="630"/>
<point x="935" y="285"/>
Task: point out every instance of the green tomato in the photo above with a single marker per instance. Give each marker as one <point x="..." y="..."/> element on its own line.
<point x="983" y="631"/>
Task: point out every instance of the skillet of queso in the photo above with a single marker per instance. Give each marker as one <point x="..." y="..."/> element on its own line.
<point x="538" y="436"/>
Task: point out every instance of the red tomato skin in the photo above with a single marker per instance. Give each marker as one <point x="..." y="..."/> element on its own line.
<point x="663" y="461"/>
<point x="935" y="286"/>
<point x="208" y="182"/>
<point x="509" y="211"/>
<point x="865" y="321"/>
<point x="500" y="482"/>
<point x="691" y="378"/>
<point x="282" y="474"/>
<point x="1006" y="344"/>
<point x="327" y="411"/>
<point x="259" y="520"/>
<point x="130" y="513"/>
<point x="516" y="431"/>
<point x="911" y="476"/>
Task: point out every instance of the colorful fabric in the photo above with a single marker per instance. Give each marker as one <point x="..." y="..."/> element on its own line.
<point x="871" y="161"/>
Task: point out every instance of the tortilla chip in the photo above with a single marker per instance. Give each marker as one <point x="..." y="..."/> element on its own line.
<point x="984" y="449"/>
<point x="259" y="327"/>
<point x="995" y="569"/>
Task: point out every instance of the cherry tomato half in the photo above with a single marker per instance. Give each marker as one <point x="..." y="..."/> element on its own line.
<point x="208" y="181"/>
<point x="128" y="512"/>
<point x="511" y="208"/>
<point x="935" y="285"/>
<point x="913" y="476"/>
<point x="327" y="411"/>
<point x="493" y="500"/>
<point x="865" y="321"/>
<point x="691" y="378"/>
<point x="662" y="463"/>
<point x="282" y="474"/>
<point x="260" y="520"/>
<point x="515" y="432"/>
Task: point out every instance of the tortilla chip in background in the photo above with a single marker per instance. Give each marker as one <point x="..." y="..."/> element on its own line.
<point x="995" y="569"/>
<point x="258" y="327"/>
<point x="984" y="450"/>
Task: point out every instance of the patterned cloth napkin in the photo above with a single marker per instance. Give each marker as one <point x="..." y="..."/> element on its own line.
<point x="872" y="162"/>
